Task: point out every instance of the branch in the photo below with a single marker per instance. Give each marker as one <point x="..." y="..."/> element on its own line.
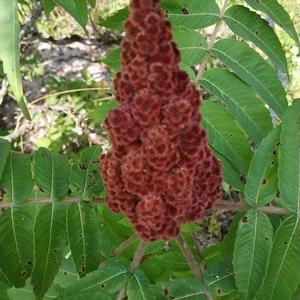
<point x="124" y="245"/>
<point x="222" y="205"/>
<point x="195" y="268"/>
<point x="212" y="40"/>
<point x="47" y="201"/>
<point x="138" y="256"/>
<point x="240" y="206"/>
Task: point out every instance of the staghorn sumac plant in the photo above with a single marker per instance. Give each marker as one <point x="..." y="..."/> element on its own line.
<point x="59" y="238"/>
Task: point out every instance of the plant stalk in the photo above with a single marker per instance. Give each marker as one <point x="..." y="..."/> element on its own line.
<point x="195" y="268"/>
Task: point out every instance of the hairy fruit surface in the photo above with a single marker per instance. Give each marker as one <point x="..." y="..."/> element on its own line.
<point x="160" y="171"/>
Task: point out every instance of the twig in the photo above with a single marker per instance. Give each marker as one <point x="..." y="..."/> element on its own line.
<point x="138" y="256"/>
<point x="195" y="268"/>
<point x="124" y="245"/>
<point x="212" y="40"/>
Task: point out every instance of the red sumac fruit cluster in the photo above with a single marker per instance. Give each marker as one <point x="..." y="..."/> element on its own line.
<point x="160" y="171"/>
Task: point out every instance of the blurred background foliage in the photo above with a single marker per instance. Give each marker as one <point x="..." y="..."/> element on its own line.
<point x="59" y="58"/>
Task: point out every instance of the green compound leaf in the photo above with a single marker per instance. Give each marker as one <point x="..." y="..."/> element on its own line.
<point x="49" y="242"/>
<point x="10" y="50"/>
<point x="51" y="174"/>
<point x="193" y="14"/>
<point x="4" y="152"/>
<point x="283" y="274"/>
<point x="84" y="237"/>
<point x="109" y="278"/>
<point x="254" y="70"/>
<point x="226" y="136"/>
<point x="85" y="175"/>
<point x="289" y="159"/>
<point x="116" y="21"/>
<point x="251" y="251"/>
<point x="277" y="13"/>
<point x="16" y="244"/>
<point x="191" y="44"/>
<point x="240" y="101"/>
<point x="258" y="176"/>
<point x="17" y="178"/>
<point x="252" y="27"/>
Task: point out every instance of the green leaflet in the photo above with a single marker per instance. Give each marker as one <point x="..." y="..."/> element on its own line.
<point x="240" y="101"/>
<point x="250" y="26"/>
<point x="138" y="288"/>
<point x="226" y="136"/>
<point x="283" y="274"/>
<point x="254" y="70"/>
<point x="230" y="174"/>
<point x="17" y="178"/>
<point x="289" y="159"/>
<point x="100" y="112"/>
<point x="108" y="278"/>
<point x="277" y="13"/>
<point x="77" y="9"/>
<point x="116" y="21"/>
<point x="258" y="177"/>
<point x="49" y="242"/>
<point x="220" y="277"/>
<point x="84" y="237"/>
<point x="48" y="6"/>
<point x="191" y="43"/>
<point x="85" y="175"/>
<point x="186" y="288"/>
<point x="16" y="244"/>
<point x="193" y="14"/>
<point x="113" y="59"/>
<point x="251" y="251"/>
<point x="10" y="50"/>
<point x="51" y="173"/>
<point x="4" y="152"/>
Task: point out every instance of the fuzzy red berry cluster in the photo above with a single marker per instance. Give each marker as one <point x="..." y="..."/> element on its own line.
<point x="160" y="171"/>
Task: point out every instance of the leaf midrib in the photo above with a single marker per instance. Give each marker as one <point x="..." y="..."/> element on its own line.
<point x="49" y="245"/>
<point x="252" y="256"/>
<point x="83" y="236"/>
<point x="140" y="286"/>
<point x="100" y="282"/>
